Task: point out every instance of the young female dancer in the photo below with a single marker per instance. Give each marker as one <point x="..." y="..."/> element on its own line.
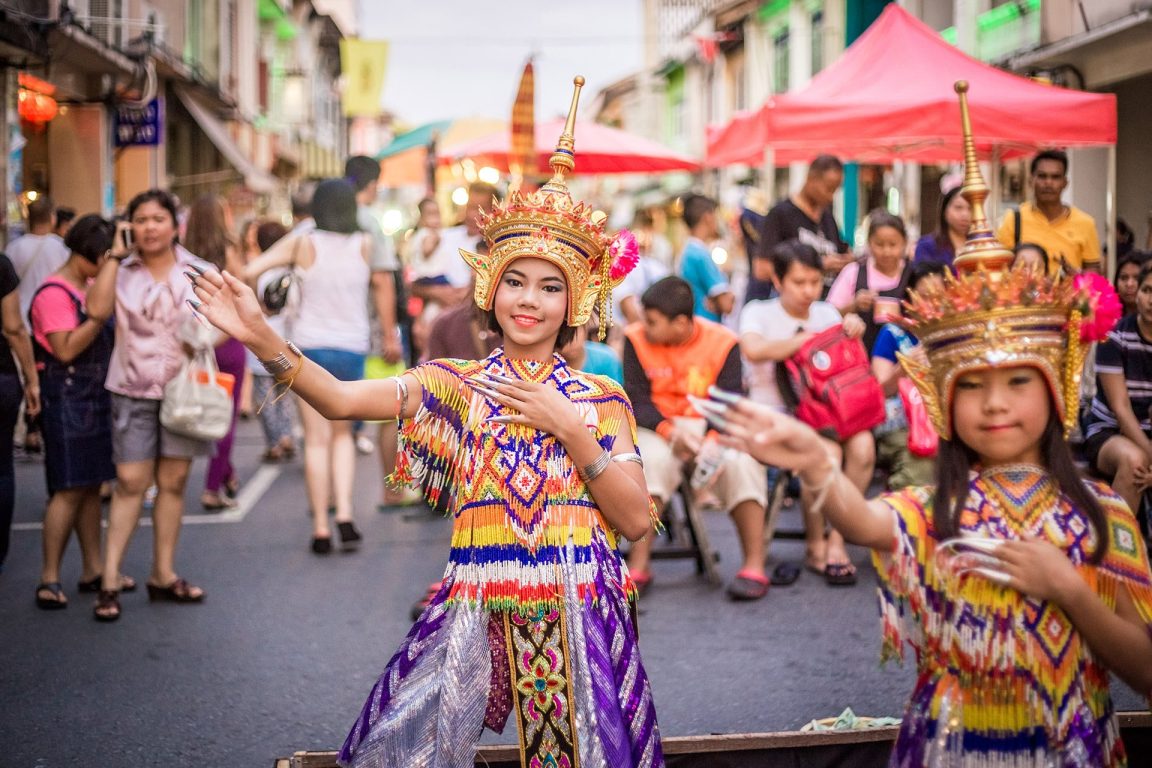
<point x="1019" y="585"/>
<point x="534" y="615"/>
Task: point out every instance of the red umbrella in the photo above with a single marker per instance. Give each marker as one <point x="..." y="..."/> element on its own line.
<point x="599" y="149"/>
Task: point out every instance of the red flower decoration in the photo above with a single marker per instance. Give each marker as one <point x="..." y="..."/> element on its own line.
<point x="624" y="254"/>
<point x="1102" y="306"/>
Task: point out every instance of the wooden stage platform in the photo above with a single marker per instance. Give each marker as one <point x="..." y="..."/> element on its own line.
<point x="789" y="749"/>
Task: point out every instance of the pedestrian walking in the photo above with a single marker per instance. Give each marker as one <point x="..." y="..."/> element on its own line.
<point x="19" y="387"/>
<point x="208" y="234"/>
<point x="331" y="324"/>
<point x="155" y="332"/>
<point x="1020" y="585"/>
<point x="534" y="618"/>
<point x="72" y="340"/>
<point x="275" y="413"/>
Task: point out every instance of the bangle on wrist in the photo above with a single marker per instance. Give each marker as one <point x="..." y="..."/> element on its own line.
<point x="824" y="487"/>
<point x="280" y="364"/>
<point x="596" y="468"/>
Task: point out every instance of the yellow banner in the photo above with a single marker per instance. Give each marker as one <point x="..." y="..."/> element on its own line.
<point x="364" y="63"/>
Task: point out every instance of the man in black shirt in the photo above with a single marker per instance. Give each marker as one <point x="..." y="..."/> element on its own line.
<point x="806" y="216"/>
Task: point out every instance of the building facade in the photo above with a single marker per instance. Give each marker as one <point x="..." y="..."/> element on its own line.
<point x="232" y="97"/>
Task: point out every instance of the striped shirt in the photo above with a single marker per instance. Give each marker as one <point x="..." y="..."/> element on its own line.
<point x="1127" y="353"/>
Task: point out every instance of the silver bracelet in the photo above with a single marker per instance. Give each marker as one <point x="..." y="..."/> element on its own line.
<point x="633" y="457"/>
<point x="401" y="396"/>
<point x="280" y="364"/>
<point x="596" y="468"/>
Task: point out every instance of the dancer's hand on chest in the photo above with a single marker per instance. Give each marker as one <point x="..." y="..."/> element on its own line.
<point x="536" y="405"/>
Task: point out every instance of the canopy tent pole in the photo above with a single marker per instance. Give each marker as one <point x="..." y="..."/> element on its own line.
<point x="994" y="197"/>
<point x="1110" y="215"/>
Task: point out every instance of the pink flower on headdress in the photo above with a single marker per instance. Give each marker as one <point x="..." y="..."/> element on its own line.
<point x="624" y="254"/>
<point x="1101" y="306"/>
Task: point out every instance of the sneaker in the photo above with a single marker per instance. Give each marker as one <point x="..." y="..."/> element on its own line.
<point x="364" y="445"/>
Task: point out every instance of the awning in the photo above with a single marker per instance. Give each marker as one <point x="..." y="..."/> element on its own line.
<point x="255" y="179"/>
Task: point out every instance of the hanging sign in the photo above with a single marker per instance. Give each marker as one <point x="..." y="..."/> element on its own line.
<point x="137" y="126"/>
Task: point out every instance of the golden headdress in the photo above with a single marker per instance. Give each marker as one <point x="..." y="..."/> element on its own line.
<point x="989" y="315"/>
<point x="549" y="225"/>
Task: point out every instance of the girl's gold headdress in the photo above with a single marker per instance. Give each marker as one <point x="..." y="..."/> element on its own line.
<point x="990" y="315"/>
<point x="549" y="225"/>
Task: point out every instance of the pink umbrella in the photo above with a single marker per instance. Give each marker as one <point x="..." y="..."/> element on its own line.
<point x="599" y="149"/>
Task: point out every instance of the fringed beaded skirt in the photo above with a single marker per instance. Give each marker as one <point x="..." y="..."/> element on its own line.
<point x="571" y="678"/>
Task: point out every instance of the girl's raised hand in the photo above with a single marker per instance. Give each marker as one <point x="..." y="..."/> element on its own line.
<point x="227" y="303"/>
<point x="766" y="435"/>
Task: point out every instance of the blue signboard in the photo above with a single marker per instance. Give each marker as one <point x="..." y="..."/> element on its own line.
<point x="138" y="126"/>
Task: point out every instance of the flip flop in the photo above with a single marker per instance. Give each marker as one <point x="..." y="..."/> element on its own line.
<point x="642" y="580"/>
<point x="785" y="574"/>
<point x="840" y="574"/>
<point x="748" y="586"/>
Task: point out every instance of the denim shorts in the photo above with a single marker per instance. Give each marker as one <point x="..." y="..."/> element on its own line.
<point x="344" y="365"/>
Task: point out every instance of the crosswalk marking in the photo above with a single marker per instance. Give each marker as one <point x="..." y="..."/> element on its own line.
<point x="246" y="500"/>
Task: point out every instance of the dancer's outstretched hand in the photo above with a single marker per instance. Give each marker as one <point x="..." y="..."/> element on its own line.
<point x="228" y="304"/>
<point x="766" y="435"/>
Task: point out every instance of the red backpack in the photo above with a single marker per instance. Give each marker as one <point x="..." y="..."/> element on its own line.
<point x="829" y="385"/>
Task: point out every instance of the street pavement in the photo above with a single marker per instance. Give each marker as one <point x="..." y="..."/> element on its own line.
<point x="284" y="650"/>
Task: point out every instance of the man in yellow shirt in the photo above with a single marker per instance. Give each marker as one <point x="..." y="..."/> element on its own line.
<point x="1066" y="232"/>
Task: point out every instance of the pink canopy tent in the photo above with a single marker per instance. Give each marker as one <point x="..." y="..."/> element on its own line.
<point x="890" y="97"/>
<point x="599" y="150"/>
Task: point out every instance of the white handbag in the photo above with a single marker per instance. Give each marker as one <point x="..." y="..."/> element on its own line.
<point x="196" y="404"/>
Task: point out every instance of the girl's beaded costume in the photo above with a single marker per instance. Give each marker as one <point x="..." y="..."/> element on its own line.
<point x="534" y="616"/>
<point x="1004" y="680"/>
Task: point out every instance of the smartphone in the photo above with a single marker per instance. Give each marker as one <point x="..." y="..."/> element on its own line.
<point x="126" y="237"/>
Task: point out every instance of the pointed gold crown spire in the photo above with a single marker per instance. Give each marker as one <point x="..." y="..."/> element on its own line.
<point x="564" y="158"/>
<point x="548" y="224"/>
<point x="981" y="249"/>
<point x="989" y="315"/>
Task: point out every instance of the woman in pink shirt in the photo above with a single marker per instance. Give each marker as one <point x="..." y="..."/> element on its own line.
<point x="72" y="340"/>
<point x="153" y="320"/>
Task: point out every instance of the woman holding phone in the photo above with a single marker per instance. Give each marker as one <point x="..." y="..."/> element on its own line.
<point x="155" y="332"/>
<point x="72" y="339"/>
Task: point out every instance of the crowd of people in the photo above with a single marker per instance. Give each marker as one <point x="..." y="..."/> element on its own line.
<point x="99" y="321"/>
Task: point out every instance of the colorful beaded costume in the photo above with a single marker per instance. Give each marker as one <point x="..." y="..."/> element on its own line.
<point x="534" y="616"/>
<point x="1005" y="680"/>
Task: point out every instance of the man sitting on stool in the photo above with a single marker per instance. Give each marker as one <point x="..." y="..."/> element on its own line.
<point x="669" y="355"/>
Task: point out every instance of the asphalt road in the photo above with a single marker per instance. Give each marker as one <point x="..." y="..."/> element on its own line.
<point x="287" y="645"/>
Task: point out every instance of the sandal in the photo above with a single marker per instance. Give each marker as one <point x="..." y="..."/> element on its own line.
<point x="785" y="574"/>
<point x="215" y="502"/>
<point x="420" y="605"/>
<point x="179" y="591"/>
<point x="55" y="603"/>
<point x="92" y="586"/>
<point x="748" y="586"/>
<point x="840" y="574"/>
<point x="232" y="488"/>
<point x="349" y="536"/>
<point x="642" y="580"/>
<point x="107" y="605"/>
<point x="321" y="545"/>
<point x="273" y="455"/>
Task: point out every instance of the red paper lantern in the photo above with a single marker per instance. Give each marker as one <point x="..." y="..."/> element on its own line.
<point x="36" y="108"/>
